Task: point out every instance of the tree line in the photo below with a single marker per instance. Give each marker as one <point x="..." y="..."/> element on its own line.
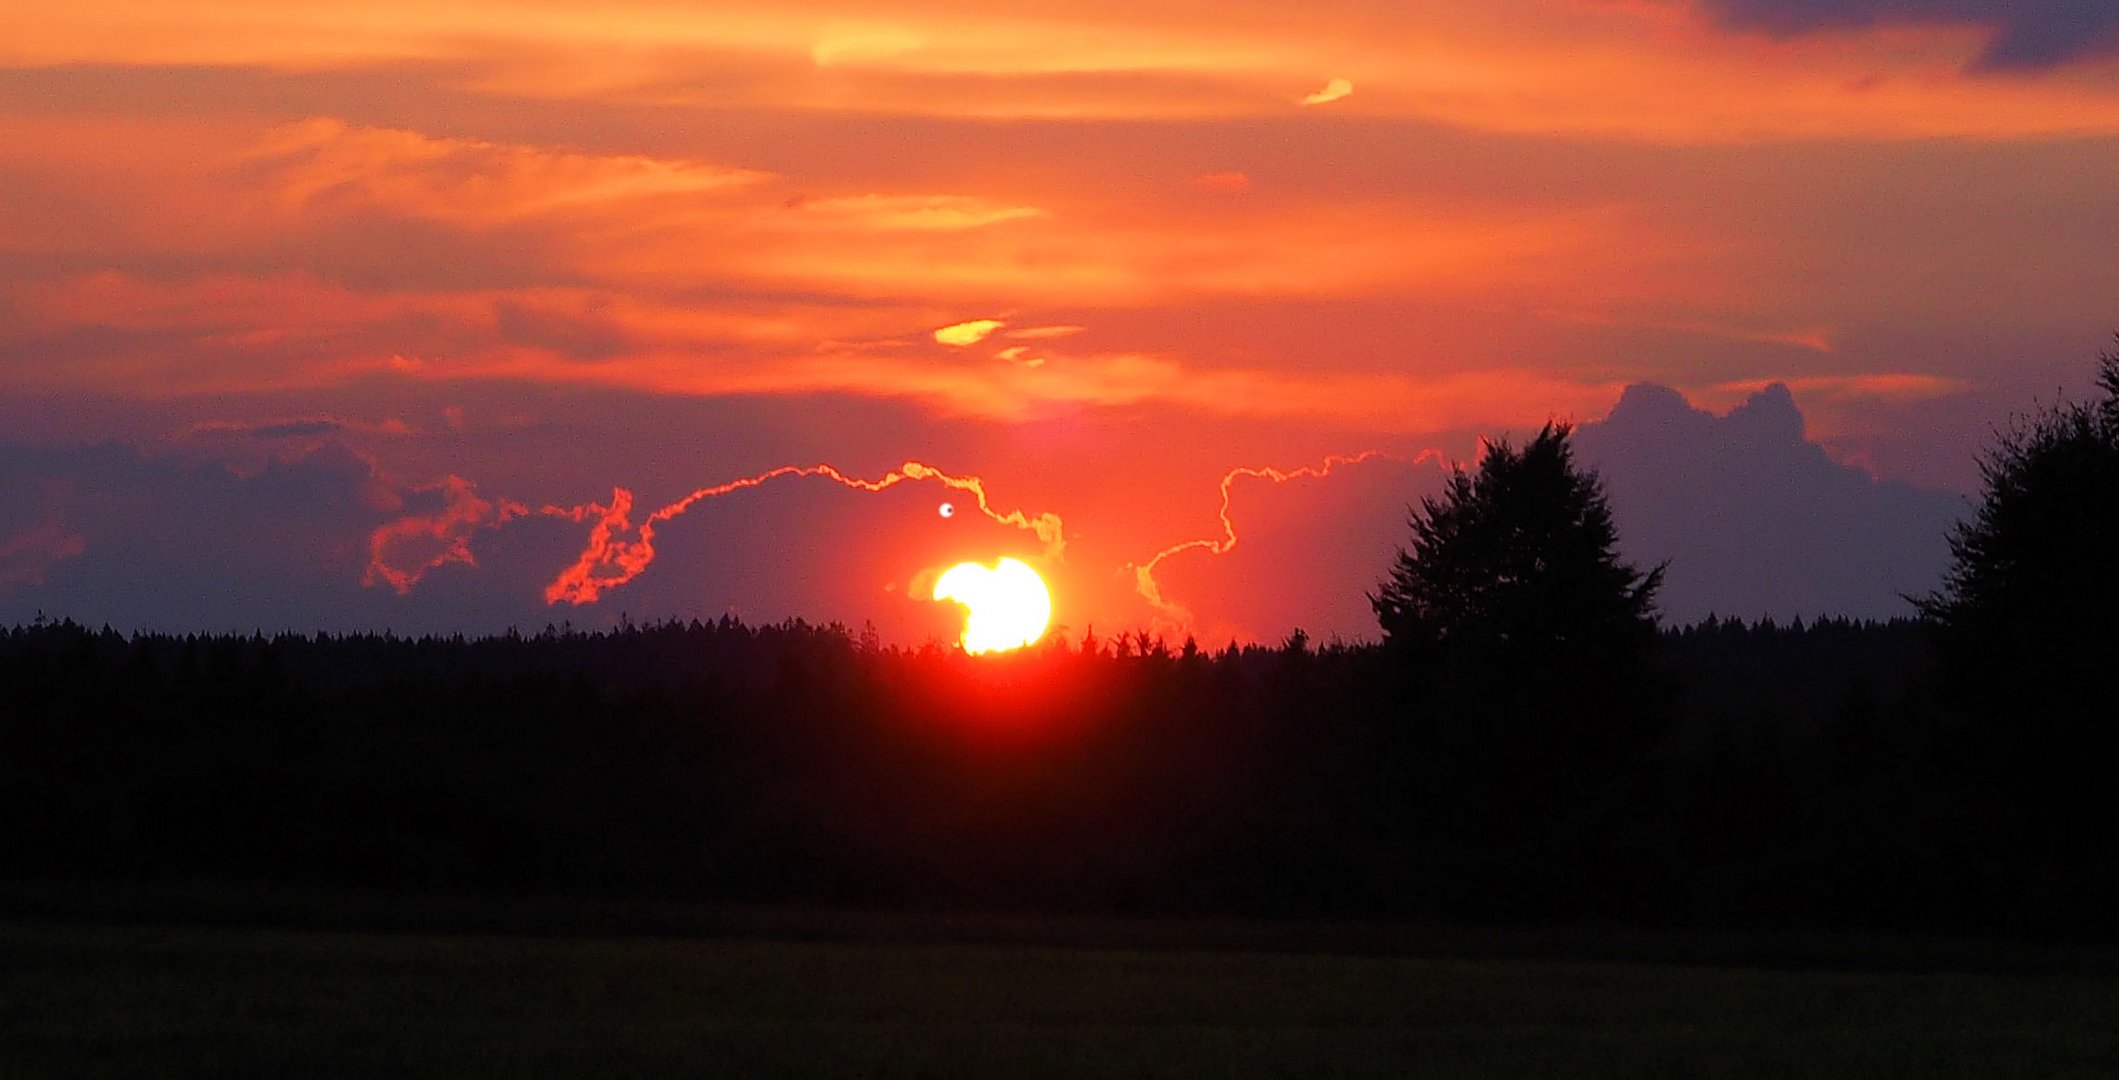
<point x="1524" y="744"/>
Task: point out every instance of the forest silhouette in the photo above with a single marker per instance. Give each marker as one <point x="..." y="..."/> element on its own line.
<point x="1525" y="745"/>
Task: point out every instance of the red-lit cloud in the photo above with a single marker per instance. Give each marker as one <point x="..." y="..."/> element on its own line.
<point x="1143" y="573"/>
<point x="516" y="256"/>
<point x="402" y="551"/>
<point x="618" y="551"/>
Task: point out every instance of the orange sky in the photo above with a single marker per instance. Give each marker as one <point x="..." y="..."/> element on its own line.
<point x="552" y="249"/>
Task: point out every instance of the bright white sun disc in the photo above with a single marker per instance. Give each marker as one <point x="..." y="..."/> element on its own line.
<point x="1006" y="606"/>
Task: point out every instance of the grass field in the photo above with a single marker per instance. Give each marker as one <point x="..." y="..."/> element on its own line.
<point x="120" y="1000"/>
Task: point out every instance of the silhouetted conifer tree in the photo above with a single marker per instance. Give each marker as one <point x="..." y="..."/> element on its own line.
<point x="2030" y="606"/>
<point x="1516" y="566"/>
<point x="2027" y="620"/>
<point x="1522" y="644"/>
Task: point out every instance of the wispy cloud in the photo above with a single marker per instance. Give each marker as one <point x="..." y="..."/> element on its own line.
<point x="1333" y="91"/>
<point x="468" y="181"/>
<point x="944" y="213"/>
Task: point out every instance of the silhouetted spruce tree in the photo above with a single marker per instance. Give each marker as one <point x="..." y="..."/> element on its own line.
<point x="2027" y="620"/>
<point x="1522" y="644"/>
<point x="1516" y="568"/>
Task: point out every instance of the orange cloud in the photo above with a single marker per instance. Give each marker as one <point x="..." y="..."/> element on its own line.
<point x="236" y="335"/>
<point x="916" y="212"/>
<point x="1333" y="91"/>
<point x="1656" y="71"/>
<point x="497" y="218"/>
<point x="1128" y="259"/>
<point x="469" y="181"/>
<point x="967" y="333"/>
<point x="1378" y="402"/>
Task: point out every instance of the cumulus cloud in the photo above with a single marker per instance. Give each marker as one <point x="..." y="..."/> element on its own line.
<point x="1754" y="518"/>
<point x="2027" y="34"/>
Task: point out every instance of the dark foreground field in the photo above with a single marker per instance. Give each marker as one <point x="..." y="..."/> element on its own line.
<point x="107" y="999"/>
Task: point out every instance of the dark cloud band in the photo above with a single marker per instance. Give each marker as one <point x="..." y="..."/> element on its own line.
<point x="2028" y="34"/>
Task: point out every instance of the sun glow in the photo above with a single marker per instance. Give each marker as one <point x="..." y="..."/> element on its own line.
<point x="1006" y="607"/>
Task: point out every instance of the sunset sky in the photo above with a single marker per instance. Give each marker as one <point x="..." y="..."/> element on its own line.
<point x="381" y="314"/>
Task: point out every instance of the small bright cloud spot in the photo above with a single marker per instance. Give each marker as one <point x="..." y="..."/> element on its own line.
<point x="947" y="510"/>
<point x="1223" y="183"/>
<point x="1333" y="91"/>
<point x="1006" y="607"/>
<point x="967" y="333"/>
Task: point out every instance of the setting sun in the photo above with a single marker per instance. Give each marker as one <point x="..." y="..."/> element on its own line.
<point x="1007" y="606"/>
